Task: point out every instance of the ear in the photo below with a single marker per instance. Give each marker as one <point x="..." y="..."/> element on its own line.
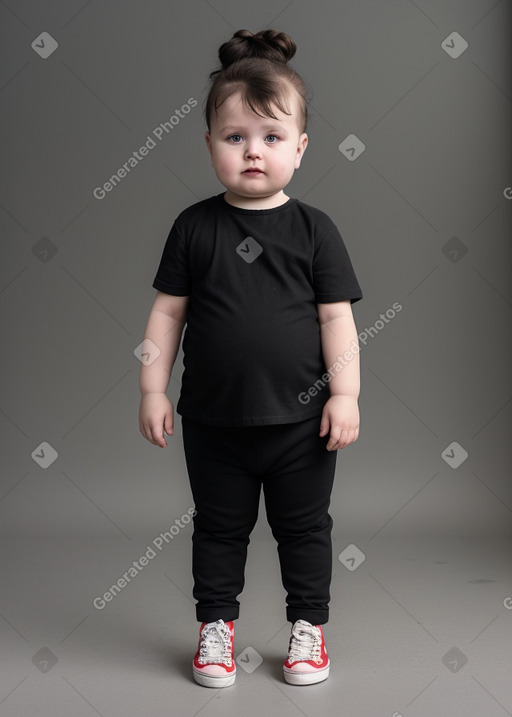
<point x="209" y="144"/>
<point x="301" y="148"/>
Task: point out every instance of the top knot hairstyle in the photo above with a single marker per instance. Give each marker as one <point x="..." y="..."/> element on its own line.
<point x="256" y="65"/>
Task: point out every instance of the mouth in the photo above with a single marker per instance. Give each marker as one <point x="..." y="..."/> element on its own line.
<point x="253" y="171"/>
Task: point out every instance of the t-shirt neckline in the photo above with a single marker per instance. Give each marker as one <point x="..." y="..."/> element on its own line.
<point x="241" y="210"/>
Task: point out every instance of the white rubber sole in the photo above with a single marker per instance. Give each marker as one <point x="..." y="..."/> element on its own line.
<point x="305" y="678"/>
<point x="212" y="681"/>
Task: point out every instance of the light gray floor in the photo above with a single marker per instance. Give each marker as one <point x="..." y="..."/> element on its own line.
<point x="402" y="626"/>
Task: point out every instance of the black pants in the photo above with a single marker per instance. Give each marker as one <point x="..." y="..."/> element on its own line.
<point x="226" y="468"/>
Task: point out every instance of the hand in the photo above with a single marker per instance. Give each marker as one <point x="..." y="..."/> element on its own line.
<point x="156" y="414"/>
<point x="341" y="417"/>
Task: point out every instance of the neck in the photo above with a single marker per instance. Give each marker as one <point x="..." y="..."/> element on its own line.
<point x="270" y="202"/>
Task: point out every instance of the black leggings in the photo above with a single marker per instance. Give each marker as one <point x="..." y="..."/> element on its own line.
<point x="226" y="467"/>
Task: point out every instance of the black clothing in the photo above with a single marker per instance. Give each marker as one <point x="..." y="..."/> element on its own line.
<point x="227" y="466"/>
<point x="252" y="342"/>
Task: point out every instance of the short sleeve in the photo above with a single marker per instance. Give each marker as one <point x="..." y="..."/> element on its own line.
<point x="334" y="278"/>
<point x="173" y="274"/>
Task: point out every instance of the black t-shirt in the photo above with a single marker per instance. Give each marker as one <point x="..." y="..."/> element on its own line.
<point x="252" y="344"/>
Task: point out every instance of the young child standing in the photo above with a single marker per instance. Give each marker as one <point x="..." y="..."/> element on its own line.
<point x="265" y="285"/>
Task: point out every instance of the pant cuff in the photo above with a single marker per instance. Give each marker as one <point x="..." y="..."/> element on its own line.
<point x="212" y="615"/>
<point x="315" y="617"/>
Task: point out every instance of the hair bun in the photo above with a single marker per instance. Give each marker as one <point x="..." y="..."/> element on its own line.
<point x="266" y="44"/>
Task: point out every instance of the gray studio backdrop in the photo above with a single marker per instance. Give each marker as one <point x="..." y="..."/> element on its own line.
<point x="409" y="154"/>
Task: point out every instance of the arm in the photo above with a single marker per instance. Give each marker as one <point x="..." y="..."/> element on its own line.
<point x="340" y="349"/>
<point x="164" y="328"/>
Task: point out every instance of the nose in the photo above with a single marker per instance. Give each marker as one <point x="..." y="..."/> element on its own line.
<point x="253" y="149"/>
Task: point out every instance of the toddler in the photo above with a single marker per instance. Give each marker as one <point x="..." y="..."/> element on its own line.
<point x="270" y="388"/>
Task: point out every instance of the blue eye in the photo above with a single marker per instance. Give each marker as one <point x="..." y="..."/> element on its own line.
<point x="232" y="138"/>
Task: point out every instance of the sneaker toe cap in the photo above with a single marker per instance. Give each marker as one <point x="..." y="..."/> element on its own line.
<point x="305" y="666"/>
<point x="215" y="671"/>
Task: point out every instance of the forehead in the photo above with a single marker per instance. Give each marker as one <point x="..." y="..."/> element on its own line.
<point x="233" y="112"/>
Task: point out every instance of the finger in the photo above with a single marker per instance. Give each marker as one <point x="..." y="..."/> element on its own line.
<point x="157" y="436"/>
<point x="340" y="443"/>
<point x="169" y="426"/>
<point x="324" y="428"/>
<point x="355" y="435"/>
<point x="343" y="439"/>
<point x="334" y="438"/>
<point x="146" y="434"/>
<point x="350" y="437"/>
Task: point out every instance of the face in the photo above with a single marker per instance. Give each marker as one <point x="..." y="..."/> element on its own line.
<point x="240" y="140"/>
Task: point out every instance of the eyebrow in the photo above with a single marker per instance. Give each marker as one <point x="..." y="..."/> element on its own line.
<point x="266" y="127"/>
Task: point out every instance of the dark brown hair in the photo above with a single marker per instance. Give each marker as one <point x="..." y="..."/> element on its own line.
<point x="256" y="65"/>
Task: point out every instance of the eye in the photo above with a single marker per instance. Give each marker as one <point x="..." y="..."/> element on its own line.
<point x="274" y="136"/>
<point x="235" y="135"/>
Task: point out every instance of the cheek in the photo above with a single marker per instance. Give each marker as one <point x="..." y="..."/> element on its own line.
<point x="286" y="163"/>
<point x="287" y="158"/>
<point x="224" y="162"/>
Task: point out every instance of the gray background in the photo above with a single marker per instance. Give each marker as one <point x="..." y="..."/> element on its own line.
<point x="425" y="212"/>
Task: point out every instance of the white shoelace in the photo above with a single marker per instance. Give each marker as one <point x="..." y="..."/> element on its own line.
<point x="215" y="644"/>
<point x="305" y="643"/>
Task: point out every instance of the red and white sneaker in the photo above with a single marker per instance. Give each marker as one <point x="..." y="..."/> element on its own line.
<point x="213" y="664"/>
<point x="307" y="660"/>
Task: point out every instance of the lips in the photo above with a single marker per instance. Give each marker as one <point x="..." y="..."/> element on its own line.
<point x="253" y="171"/>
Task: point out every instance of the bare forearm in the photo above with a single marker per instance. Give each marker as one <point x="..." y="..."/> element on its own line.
<point x="165" y="332"/>
<point x="340" y="349"/>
